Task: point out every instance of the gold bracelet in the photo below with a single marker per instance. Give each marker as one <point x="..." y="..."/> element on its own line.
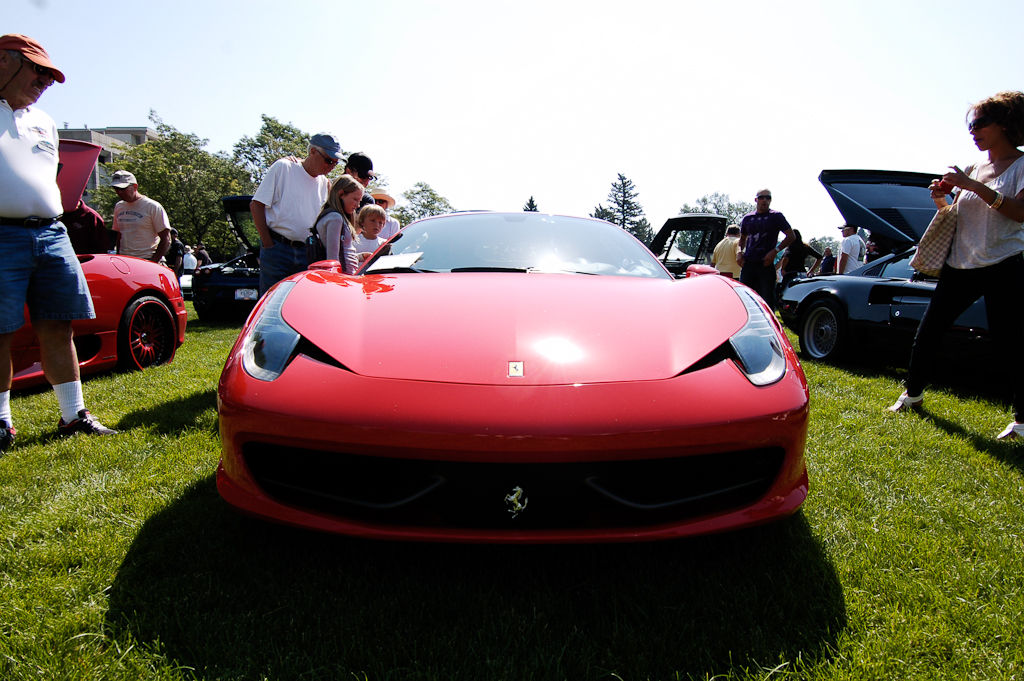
<point x="998" y="201"/>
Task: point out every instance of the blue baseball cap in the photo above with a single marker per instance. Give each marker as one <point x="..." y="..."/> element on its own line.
<point x="328" y="143"/>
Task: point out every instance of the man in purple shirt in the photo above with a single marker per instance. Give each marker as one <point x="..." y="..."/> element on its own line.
<point x="759" y="233"/>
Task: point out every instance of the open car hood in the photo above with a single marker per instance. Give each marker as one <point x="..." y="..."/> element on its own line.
<point x="77" y="161"/>
<point x="895" y="204"/>
<point x="240" y="219"/>
<point x="700" y="233"/>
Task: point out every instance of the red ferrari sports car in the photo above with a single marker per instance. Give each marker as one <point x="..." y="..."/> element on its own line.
<point x="515" y="377"/>
<point x="140" y="314"/>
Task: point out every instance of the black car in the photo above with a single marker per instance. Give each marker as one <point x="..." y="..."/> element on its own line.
<point x="229" y="290"/>
<point x="688" y="239"/>
<point x="881" y="303"/>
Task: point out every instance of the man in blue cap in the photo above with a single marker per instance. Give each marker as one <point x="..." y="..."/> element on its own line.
<point x="286" y="205"/>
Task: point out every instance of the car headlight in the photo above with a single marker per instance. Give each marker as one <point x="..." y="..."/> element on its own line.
<point x="270" y="343"/>
<point x="757" y="345"/>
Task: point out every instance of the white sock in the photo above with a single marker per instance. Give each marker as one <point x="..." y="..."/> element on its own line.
<point x="5" y="408"/>
<point x="69" y="397"/>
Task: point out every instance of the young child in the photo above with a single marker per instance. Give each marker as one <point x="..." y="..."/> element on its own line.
<point x="371" y="220"/>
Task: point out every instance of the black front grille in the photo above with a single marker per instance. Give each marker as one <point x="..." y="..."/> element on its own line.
<point x="472" y="495"/>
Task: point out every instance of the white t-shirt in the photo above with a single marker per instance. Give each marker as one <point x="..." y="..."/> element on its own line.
<point x="391" y="227"/>
<point x="140" y="224"/>
<point x="28" y="164"/>
<point x="293" y="198"/>
<point x="853" y="246"/>
<point x="983" y="236"/>
<point x="364" y="245"/>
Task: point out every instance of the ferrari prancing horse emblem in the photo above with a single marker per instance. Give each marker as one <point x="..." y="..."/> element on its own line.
<point x="513" y="501"/>
<point x="515" y="369"/>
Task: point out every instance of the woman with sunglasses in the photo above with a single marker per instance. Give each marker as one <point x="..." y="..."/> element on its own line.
<point x="336" y="223"/>
<point x="986" y="256"/>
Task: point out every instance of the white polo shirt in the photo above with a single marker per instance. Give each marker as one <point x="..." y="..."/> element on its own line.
<point x="28" y="164"/>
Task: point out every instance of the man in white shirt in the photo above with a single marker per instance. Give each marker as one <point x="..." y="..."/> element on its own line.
<point x="39" y="267"/>
<point x="851" y="251"/>
<point x="140" y="223"/>
<point x="286" y="204"/>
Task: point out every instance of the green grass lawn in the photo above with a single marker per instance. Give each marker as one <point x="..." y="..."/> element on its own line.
<point x="119" y="561"/>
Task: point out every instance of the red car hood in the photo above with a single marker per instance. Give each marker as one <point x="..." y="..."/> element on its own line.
<point x="469" y="327"/>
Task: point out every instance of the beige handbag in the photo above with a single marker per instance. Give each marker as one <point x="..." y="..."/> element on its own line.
<point x="935" y="244"/>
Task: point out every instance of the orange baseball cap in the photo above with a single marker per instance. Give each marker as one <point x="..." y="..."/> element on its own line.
<point x="32" y="51"/>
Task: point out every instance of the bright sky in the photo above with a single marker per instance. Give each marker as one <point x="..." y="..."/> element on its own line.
<point x="491" y="103"/>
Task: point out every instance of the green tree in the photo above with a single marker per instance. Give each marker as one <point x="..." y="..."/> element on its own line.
<point x="187" y="180"/>
<point x="530" y="206"/>
<point x="717" y="204"/>
<point x="720" y="204"/>
<point x="624" y="210"/>
<point x="821" y="243"/>
<point x="274" y="140"/>
<point x="421" y="201"/>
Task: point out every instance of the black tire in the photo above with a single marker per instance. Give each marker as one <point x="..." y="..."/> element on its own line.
<point x="146" y="336"/>
<point x="823" y="331"/>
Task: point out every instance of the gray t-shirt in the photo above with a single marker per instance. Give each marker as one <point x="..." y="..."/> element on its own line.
<point x="983" y="236"/>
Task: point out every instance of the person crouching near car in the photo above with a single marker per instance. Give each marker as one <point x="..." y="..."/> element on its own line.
<point x="336" y="224"/>
<point x="39" y="267"/>
<point x="987" y="254"/>
<point x="371" y="221"/>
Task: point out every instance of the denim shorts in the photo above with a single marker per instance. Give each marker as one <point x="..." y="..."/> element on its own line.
<point x="39" y="267"/>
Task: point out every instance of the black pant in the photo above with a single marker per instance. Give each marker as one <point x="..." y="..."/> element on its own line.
<point x="761" y="278"/>
<point x="1002" y="285"/>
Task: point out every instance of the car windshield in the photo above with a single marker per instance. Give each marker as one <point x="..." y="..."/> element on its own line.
<point x="517" y="242"/>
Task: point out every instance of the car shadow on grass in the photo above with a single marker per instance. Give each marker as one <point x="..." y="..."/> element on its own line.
<point x="174" y="416"/>
<point x="234" y="597"/>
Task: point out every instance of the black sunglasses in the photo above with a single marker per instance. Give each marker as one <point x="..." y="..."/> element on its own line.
<point x="40" y="70"/>
<point x="766" y="197"/>
<point x="327" y="159"/>
<point x="979" y="123"/>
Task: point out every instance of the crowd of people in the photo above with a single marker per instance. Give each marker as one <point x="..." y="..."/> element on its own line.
<point x="296" y="201"/>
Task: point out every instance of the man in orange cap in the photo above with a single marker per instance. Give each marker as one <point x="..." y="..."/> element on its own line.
<point x="39" y="267"/>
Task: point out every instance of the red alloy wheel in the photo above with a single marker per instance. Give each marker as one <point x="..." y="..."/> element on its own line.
<point x="147" y="334"/>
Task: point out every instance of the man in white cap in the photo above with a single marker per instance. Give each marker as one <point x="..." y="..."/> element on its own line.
<point x="39" y="267"/>
<point x="140" y="223"/>
<point x="286" y="204"/>
<point x="392" y="225"/>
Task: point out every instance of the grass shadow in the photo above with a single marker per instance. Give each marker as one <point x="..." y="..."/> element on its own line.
<point x="236" y="598"/>
<point x="173" y="416"/>
<point x="968" y="375"/>
<point x="1010" y="452"/>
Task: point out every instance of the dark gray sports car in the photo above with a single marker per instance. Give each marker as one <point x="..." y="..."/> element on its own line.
<point x="881" y="303"/>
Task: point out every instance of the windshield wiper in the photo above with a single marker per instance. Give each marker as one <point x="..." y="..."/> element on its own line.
<point x="489" y="269"/>
<point x="397" y="270"/>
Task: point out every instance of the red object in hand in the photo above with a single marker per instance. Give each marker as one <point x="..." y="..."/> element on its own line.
<point x="946" y="187"/>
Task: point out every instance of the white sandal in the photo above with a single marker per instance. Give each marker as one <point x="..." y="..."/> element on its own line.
<point x="906" y="402"/>
<point x="1014" y="431"/>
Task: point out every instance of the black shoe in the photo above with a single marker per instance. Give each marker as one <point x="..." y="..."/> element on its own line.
<point x="7" y="434"/>
<point x="85" y="423"/>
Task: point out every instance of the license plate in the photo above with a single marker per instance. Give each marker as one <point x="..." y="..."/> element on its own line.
<point x="247" y="294"/>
